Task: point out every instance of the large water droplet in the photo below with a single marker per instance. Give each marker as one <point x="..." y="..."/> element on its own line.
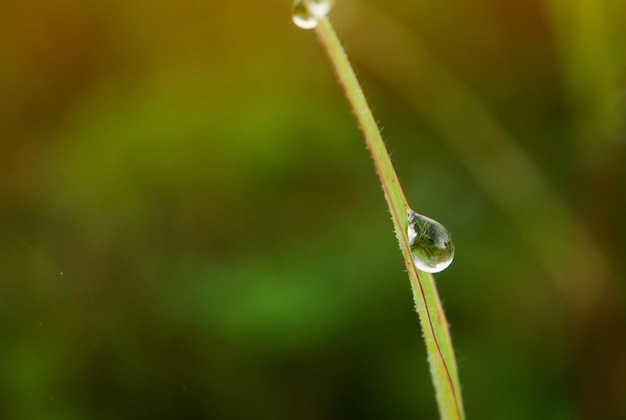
<point x="431" y="243"/>
<point x="301" y="15"/>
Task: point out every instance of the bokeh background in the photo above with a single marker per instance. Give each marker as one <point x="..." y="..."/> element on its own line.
<point x="191" y="226"/>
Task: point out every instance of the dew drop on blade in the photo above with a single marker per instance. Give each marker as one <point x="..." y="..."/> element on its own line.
<point x="318" y="8"/>
<point x="431" y="243"/>
<point x="302" y="17"/>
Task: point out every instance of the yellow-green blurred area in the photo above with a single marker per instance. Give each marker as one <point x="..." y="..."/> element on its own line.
<point x="191" y="226"/>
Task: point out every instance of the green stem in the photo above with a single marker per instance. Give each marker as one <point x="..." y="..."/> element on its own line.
<point x="432" y="317"/>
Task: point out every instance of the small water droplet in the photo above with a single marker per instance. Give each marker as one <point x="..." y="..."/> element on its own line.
<point x="319" y="8"/>
<point x="301" y="15"/>
<point x="431" y="243"/>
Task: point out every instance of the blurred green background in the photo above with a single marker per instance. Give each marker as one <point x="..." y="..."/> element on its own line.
<point x="191" y="226"/>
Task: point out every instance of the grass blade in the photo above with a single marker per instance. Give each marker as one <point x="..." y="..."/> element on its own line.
<point x="432" y="317"/>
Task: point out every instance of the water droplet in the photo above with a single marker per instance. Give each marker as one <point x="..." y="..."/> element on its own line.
<point x="302" y="17"/>
<point x="431" y="243"/>
<point x="319" y="8"/>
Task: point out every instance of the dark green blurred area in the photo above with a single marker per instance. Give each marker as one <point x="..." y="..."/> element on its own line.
<point x="191" y="227"/>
